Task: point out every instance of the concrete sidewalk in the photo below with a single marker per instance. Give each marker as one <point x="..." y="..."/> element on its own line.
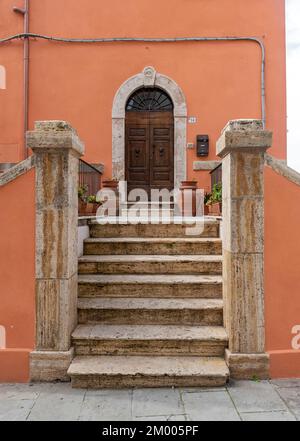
<point x="240" y="400"/>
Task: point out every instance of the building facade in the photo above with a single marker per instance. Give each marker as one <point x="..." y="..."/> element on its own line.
<point x="130" y="76"/>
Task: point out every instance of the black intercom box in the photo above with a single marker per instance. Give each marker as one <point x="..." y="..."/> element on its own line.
<point x="202" y="145"/>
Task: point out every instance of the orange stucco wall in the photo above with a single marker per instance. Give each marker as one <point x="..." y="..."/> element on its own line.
<point x="220" y="80"/>
<point x="282" y="273"/>
<point x="77" y="83"/>
<point x="17" y="276"/>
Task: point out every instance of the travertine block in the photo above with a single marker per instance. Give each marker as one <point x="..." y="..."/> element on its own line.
<point x="242" y="146"/>
<point x="56" y="306"/>
<point x="248" y="366"/>
<point x="57" y="149"/>
<point x="50" y="366"/>
<point x="243" y="292"/>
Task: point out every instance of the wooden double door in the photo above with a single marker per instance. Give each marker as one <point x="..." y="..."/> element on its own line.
<point x="149" y="150"/>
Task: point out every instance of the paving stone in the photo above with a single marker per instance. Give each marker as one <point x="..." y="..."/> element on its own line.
<point x="289" y="382"/>
<point x="156" y="402"/>
<point x="19" y="391"/>
<point x="251" y="396"/>
<point x="110" y="406"/>
<point x="292" y="399"/>
<point x="209" y="406"/>
<point x="15" y="409"/>
<point x="57" y="402"/>
<point x="196" y="390"/>
<point x="162" y="418"/>
<point x="268" y="416"/>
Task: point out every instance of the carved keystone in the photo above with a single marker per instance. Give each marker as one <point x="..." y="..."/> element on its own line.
<point x="57" y="149"/>
<point x="242" y="147"/>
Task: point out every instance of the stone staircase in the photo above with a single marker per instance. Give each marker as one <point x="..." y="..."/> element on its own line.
<point x="150" y="308"/>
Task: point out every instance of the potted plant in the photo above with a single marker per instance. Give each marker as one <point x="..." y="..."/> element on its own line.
<point x="82" y="190"/>
<point x="215" y="202"/>
<point x="92" y="205"/>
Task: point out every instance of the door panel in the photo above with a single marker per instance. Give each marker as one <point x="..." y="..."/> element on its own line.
<point x="162" y="168"/>
<point x="149" y="150"/>
<point x="137" y="156"/>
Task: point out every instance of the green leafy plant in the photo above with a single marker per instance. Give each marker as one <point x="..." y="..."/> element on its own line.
<point x="91" y="199"/>
<point x="82" y="192"/>
<point x="207" y="197"/>
<point x="255" y="378"/>
<point x="216" y="195"/>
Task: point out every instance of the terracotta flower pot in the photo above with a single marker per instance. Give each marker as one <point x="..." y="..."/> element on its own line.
<point x="81" y="207"/>
<point x="189" y="185"/>
<point x="216" y="209"/>
<point x="206" y="210"/>
<point x="110" y="183"/>
<point x="89" y="209"/>
<point x="95" y="208"/>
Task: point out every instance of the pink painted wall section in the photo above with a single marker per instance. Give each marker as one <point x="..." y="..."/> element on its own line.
<point x="282" y="274"/>
<point x="17" y="277"/>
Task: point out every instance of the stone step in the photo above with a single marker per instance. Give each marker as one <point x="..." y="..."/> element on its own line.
<point x="150" y="286"/>
<point x="164" y="340"/>
<point x="151" y="213"/>
<point x="210" y="229"/>
<point x="144" y="264"/>
<point x="148" y="204"/>
<point x="128" y="311"/>
<point x="125" y="372"/>
<point x="152" y="246"/>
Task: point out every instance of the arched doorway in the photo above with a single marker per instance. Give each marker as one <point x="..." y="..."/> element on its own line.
<point x="149" y="78"/>
<point x="149" y="140"/>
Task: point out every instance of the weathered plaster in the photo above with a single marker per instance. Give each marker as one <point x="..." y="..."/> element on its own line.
<point x="149" y="78"/>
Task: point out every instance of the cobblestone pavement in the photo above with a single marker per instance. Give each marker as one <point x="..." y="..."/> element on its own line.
<point x="241" y="400"/>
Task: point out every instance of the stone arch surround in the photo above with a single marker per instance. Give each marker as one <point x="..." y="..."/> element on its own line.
<point x="149" y="78"/>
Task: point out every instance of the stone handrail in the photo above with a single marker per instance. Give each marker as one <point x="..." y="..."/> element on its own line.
<point x="280" y="167"/>
<point x="18" y="170"/>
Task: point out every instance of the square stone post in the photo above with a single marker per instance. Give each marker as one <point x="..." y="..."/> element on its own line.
<point x="242" y="147"/>
<point x="57" y="149"/>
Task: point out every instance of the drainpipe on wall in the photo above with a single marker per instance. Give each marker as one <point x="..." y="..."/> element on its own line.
<point x="25" y="13"/>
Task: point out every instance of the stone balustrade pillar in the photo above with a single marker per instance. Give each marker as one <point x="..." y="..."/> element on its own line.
<point x="242" y="147"/>
<point x="57" y="149"/>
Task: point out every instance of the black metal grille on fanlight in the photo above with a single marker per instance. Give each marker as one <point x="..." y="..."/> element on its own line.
<point x="149" y="100"/>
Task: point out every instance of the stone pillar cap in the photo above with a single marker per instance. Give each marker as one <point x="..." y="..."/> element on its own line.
<point x="243" y="125"/>
<point x="51" y="135"/>
<point x="243" y="135"/>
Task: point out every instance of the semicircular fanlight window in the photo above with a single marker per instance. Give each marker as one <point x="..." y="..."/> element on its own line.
<point x="149" y="100"/>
